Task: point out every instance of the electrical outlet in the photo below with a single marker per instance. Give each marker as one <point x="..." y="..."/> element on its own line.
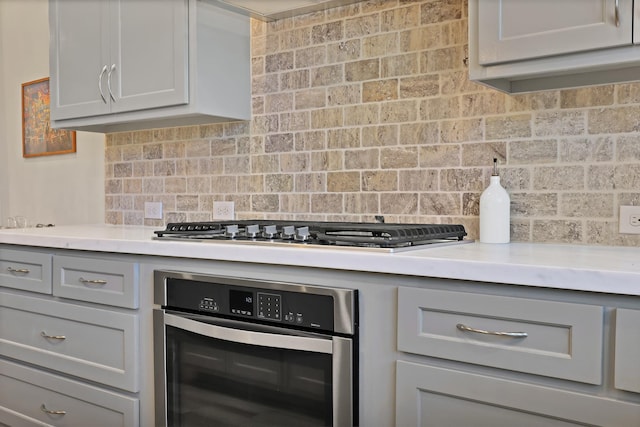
<point x="153" y="210"/>
<point x="224" y="210"/>
<point x="629" y="220"/>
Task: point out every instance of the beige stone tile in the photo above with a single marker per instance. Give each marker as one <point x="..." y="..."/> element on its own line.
<point x="313" y="56"/>
<point x="295" y="162"/>
<point x="153" y="185"/>
<point x="237" y="164"/>
<point x="400" y="18"/>
<point x="261" y="85"/>
<point x="340" y="182"/>
<point x="440" y="204"/>
<point x="558" y="178"/>
<point x="515" y="179"/>
<point x="123" y="170"/>
<point x="187" y="202"/>
<point x="327" y="160"/>
<point x="418" y="180"/>
<point x="399" y="111"/>
<point x="419" y="133"/>
<point x="278" y="62"/>
<point x="219" y="184"/>
<point x="361" y="203"/>
<point x="344" y="94"/>
<point x="327" y="75"/>
<point x="175" y="185"/>
<point x="200" y="184"/>
<point x="293" y="80"/>
<point x="557" y="231"/>
<point x="445" y="59"/>
<point x="586" y="205"/>
<point x="344" y="51"/>
<point x="380" y="90"/>
<point x="279" y="143"/>
<point x="295" y="203"/>
<point x="132" y="185"/>
<point x="440" y="156"/>
<point x="587" y="97"/>
<point x="558" y="123"/>
<point x="311" y="141"/>
<point x="399" y="157"/>
<point x="399" y="203"/>
<point x="592" y="149"/>
<point x="362" y="159"/>
<point x="461" y="130"/>
<point x="535" y="101"/>
<point x="315" y="98"/>
<point x="343" y="138"/>
<point x="152" y="151"/>
<point x="327" y="118"/>
<point x="533" y="152"/>
<point x="376" y="136"/>
<point x="471" y="204"/>
<point x="310" y="182"/>
<point x="327" y="32"/>
<point x="440" y="108"/>
<point x="267" y="163"/>
<point x="296" y="121"/>
<point x="379" y="181"/>
<point x="278" y="183"/>
<point x="265" y="203"/>
<point x="468" y="179"/>
<point x="531" y="205"/>
<point x="628" y="93"/>
<point x="400" y="65"/>
<point x="436" y="11"/>
<point x="249" y="184"/>
<point x="366" y="69"/>
<point x="380" y="45"/>
<point x="361" y="26"/>
<point x="482" y="104"/>
<point x="511" y="126"/>
<point x="362" y="114"/>
<point x="483" y="153"/>
<point x="420" y="86"/>
<point x="223" y="147"/>
<point x="628" y="148"/>
<point x="275" y="103"/>
<point x="295" y="38"/>
<point x="627" y="176"/>
<point x="327" y="203"/>
<point x="614" y="120"/>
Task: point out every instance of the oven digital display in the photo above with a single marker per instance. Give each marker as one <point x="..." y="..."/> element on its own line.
<point x="241" y="302"/>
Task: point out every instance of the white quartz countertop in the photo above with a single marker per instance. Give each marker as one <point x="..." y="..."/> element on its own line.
<point x="577" y="267"/>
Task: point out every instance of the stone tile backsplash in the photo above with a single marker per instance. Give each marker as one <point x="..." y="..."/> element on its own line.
<point x="366" y="110"/>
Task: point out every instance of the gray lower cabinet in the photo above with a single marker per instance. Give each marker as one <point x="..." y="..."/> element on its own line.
<point x="69" y="340"/>
<point x="476" y="359"/>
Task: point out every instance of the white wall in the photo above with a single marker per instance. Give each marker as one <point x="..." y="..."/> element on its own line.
<point x="58" y="189"/>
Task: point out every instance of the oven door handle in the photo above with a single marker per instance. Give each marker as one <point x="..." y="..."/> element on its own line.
<point x="289" y="342"/>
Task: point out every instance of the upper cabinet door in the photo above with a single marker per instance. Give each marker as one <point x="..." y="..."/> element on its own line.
<point x="79" y="62"/>
<point x="149" y="54"/>
<point x="513" y="30"/>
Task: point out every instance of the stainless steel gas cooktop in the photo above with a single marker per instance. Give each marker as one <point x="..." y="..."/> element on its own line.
<point x="380" y="236"/>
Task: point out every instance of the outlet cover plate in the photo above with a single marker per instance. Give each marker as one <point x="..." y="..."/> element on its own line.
<point x="224" y="210"/>
<point x="153" y="210"/>
<point x="629" y="220"/>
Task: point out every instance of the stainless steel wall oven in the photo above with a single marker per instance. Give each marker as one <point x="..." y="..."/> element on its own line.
<point x="246" y="352"/>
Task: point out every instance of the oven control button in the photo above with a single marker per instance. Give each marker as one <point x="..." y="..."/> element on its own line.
<point x="299" y="318"/>
<point x="231" y="231"/>
<point x="252" y="231"/>
<point x="302" y="234"/>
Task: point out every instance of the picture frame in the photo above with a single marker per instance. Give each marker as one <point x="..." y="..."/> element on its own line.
<point x="38" y="139"/>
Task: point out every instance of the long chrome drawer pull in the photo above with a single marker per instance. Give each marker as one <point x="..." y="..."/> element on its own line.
<point x="466" y="328"/>
<point x="52" y="412"/>
<point x="18" y="270"/>
<point x="93" y="281"/>
<point x="113" y="68"/>
<point x="43" y="334"/>
<point x="617" y="13"/>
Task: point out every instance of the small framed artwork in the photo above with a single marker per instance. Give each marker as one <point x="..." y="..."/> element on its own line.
<point x="38" y="139"/>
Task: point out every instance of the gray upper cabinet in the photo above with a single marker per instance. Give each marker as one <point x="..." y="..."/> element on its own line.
<point x="126" y="64"/>
<point x="522" y="46"/>
<point x="518" y="30"/>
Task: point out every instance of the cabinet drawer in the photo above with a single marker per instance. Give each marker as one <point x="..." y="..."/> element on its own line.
<point x="25" y="392"/>
<point x="91" y="343"/>
<point x="627" y="371"/>
<point x="563" y="340"/>
<point x="96" y="280"/>
<point x="434" y="396"/>
<point x="29" y="271"/>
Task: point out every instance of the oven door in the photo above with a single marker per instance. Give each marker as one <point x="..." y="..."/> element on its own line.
<point x="211" y="371"/>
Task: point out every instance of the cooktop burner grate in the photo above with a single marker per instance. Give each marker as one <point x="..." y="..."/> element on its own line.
<point x="358" y="234"/>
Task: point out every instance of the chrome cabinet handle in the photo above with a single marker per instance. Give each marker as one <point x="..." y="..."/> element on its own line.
<point x="44" y="409"/>
<point x="466" y="328"/>
<point x="104" y="70"/>
<point x="43" y="334"/>
<point x="92" y="281"/>
<point x="18" y="270"/>
<point x="617" y="13"/>
<point x="113" y="68"/>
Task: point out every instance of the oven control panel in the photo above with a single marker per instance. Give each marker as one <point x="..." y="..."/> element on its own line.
<point x="300" y="309"/>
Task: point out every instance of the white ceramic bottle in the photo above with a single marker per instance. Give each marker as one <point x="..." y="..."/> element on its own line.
<point x="495" y="212"/>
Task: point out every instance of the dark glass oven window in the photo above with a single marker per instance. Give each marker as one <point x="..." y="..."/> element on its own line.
<point x="212" y="382"/>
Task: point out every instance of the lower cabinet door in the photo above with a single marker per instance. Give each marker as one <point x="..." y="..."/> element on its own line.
<point x="29" y="397"/>
<point x="429" y="396"/>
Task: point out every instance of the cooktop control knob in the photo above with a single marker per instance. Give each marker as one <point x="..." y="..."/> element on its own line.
<point x="252" y="231"/>
<point x="302" y="234"/>
<point x="231" y="231"/>
<point x="288" y="232"/>
<point x="270" y="232"/>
